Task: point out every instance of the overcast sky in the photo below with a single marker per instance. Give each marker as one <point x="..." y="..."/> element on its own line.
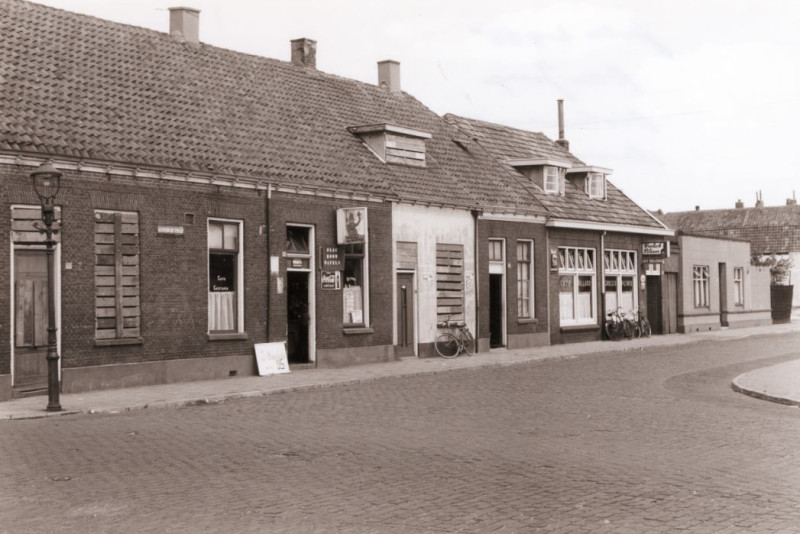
<point x="689" y="102"/>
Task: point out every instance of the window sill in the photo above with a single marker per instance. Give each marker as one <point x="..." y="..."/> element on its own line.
<point x="354" y="331"/>
<point x="527" y="320"/>
<point x="226" y="336"/>
<point x="120" y="341"/>
<point x="580" y="328"/>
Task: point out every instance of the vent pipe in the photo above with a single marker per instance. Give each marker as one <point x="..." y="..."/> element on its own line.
<point x="759" y="200"/>
<point x="561" y="141"/>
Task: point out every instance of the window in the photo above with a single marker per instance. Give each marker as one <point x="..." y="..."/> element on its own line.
<point x="576" y="269"/>
<point x="449" y="282"/>
<point x="554" y="180"/>
<point x="495" y="250"/>
<point x="116" y="281"/>
<point x="700" y="283"/>
<point x="225" y="270"/>
<point x="525" y="279"/>
<point x="354" y="284"/>
<point x="738" y="285"/>
<point x="619" y="267"/>
<point x="596" y="185"/>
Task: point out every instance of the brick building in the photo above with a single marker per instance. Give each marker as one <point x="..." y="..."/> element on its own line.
<point x="591" y="255"/>
<point x="212" y="200"/>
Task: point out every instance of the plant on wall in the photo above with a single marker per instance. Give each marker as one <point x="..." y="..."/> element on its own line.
<point x="779" y="267"/>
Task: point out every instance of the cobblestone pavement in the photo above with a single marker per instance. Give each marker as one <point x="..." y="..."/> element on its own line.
<point x="646" y="441"/>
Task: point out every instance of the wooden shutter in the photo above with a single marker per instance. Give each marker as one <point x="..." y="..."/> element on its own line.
<point x="116" y="280"/>
<point x="449" y="282"/>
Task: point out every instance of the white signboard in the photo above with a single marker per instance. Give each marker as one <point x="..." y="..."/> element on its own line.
<point x="271" y="358"/>
<point x="351" y="225"/>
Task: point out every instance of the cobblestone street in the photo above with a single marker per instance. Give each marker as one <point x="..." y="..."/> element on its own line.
<point x="638" y="441"/>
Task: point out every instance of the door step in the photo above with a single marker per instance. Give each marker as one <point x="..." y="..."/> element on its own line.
<point x="28" y="391"/>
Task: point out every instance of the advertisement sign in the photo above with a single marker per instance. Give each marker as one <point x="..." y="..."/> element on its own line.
<point x="565" y="283"/>
<point x="351" y="225"/>
<point x="331" y="258"/>
<point x="656" y="248"/>
<point x="271" y="358"/>
<point x="330" y="279"/>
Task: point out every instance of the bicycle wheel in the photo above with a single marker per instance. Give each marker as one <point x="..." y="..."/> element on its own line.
<point x="644" y="325"/>
<point x="469" y="342"/>
<point x="613" y="331"/>
<point x="628" y="329"/>
<point x="446" y="345"/>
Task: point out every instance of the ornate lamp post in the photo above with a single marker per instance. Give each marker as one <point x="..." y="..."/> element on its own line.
<point x="46" y="182"/>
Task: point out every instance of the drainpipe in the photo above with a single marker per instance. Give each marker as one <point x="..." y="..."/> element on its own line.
<point x="475" y="214"/>
<point x="602" y="281"/>
<point x="269" y="258"/>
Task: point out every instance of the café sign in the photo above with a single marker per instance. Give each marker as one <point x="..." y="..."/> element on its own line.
<point x="656" y="248"/>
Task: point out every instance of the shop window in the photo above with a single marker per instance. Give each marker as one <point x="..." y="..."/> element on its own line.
<point x="225" y="270"/>
<point x="116" y="281"/>
<point x="576" y="285"/>
<point x="354" y="285"/>
<point x="738" y="285"/>
<point x="700" y="279"/>
<point x="620" y="280"/>
<point x="450" y="282"/>
<point x="554" y="180"/>
<point x="525" y="279"/>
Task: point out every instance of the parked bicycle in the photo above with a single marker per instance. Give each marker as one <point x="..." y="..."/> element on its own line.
<point x="643" y="325"/>
<point x="449" y="345"/>
<point x="620" y="324"/>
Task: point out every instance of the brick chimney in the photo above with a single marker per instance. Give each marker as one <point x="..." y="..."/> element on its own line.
<point x="304" y="52"/>
<point x="389" y="75"/>
<point x="184" y="24"/>
<point x="561" y="141"/>
<point x="739" y="204"/>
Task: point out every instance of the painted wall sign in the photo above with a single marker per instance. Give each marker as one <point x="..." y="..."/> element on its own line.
<point x="274" y="264"/>
<point x="271" y="358"/>
<point x="351" y="225"/>
<point x="565" y="283"/>
<point x="656" y="248"/>
<point x="331" y="258"/>
<point x="330" y="279"/>
<point x="170" y="230"/>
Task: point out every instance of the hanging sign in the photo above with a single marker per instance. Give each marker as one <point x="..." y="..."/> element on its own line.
<point x="331" y="258"/>
<point x="351" y="225"/>
<point x="330" y="279"/>
<point x="271" y="358"/>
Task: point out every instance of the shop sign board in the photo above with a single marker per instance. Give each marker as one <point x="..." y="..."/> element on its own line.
<point x="655" y="248"/>
<point x="331" y="258"/>
<point x="330" y="280"/>
<point x="351" y="225"/>
<point x="271" y="358"/>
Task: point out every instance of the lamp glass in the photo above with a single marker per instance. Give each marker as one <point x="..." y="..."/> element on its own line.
<point x="46" y="181"/>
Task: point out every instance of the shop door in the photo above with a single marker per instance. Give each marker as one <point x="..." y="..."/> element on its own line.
<point x="654" y="304"/>
<point x="30" y="322"/>
<point x="405" y="314"/>
<point x="495" y="310"/>
<point x="297" y="316"/>
<point x="671" y="303"/>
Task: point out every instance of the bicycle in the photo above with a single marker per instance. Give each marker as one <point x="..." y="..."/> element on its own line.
<point x="619" y="324"/>
<point x="643" y="325"/>
<point x="449" y="345"/>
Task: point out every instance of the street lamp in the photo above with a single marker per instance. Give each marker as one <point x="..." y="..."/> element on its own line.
<point x="46" y="182"/>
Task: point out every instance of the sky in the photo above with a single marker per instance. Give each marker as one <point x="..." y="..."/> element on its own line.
<point x="690" y="103"/>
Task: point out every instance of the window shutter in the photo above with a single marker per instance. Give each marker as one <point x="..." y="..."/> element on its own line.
<point x="116" y="243"/>
<point x="449" y="282"/>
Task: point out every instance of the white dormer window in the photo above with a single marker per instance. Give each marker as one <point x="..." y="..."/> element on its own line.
<point x="554" y="183"/>
<point x="596" y="185"/>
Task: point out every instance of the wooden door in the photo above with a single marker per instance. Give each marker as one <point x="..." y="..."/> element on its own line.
<point x="671" y="304"/>
<point x="655" y="305"/>
<point x="30" y="320"/>
<point x="405" y="314"/>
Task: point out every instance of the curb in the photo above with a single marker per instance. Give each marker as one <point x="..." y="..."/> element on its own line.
<point x="761" y="394"/>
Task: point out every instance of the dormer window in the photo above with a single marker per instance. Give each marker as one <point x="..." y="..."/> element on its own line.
<point x="394" y="144"/>
<point x="596" y="185"/>
<point x="554" y="181"/>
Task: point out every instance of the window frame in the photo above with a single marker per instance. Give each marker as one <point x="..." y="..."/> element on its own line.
<point x="547" y="181"/>
<point x="531" y="283"/>
<point x="577" y="271"/>
<point x="701" y="275"/>
<point x="364" y="257"/>
<point x="239" y="254"/>
<point x="592" y="179"/>
<point x="738" y="286"/>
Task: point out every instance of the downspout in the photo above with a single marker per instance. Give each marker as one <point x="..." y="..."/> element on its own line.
<point x="269" y="258"/>
<point x="602" y="281"/>
<point x="475" y="214"/>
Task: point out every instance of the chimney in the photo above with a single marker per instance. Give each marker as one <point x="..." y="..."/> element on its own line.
<point x="561" y="141"/>
<point x="184" y="24"/>
<point x="739" y="204"/>
<point x="389" y="75"/>
<point x="759" y="200"/>
<point x="304" y="52"/>
<point x="791" y="201"/>
<point x="697" y="208"/>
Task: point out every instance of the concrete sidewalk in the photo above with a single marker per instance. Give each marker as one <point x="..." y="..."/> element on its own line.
<point x="212" y="391"/>
<point x="777" y="383"/>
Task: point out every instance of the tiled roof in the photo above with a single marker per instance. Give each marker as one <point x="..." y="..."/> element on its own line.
<point x="770" y="230"/>
<point x="506" y="143"/>
<point x="77" y="86"/>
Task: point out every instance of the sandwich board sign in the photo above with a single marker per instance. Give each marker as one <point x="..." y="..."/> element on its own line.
<point x="271" y="358"/>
